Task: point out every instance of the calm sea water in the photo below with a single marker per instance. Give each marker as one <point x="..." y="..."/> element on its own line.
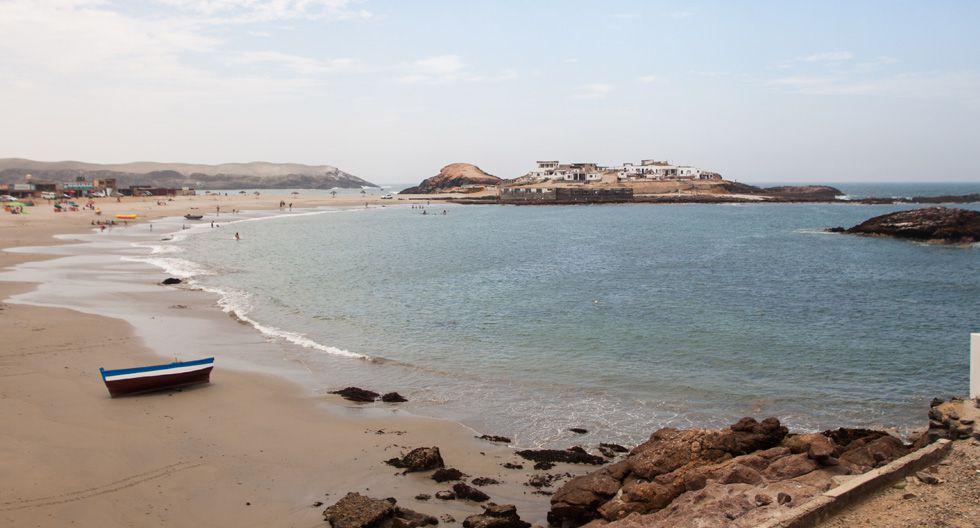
<point x="525" y="321"/>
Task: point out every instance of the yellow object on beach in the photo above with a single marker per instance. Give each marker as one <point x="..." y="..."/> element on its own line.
<point x="126" y="216"/>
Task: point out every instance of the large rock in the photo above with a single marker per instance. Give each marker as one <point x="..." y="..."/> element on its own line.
<point x="496" y="516"/>
<point x="933" y="224"/>
<point x="418" y="459"/>
<point x="453" y="177"/>
<point x="357" y="511"/>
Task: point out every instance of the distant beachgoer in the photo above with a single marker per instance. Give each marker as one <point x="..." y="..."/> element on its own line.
<point x="102" y="228"/>
<point x="237" y="237"/>
<point x="212" y="224"/>
<point x="444" y="211"/>
<point x="151" y="227"/>
<point x="290" y="206"/>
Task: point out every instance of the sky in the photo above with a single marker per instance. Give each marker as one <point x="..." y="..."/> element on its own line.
<point x="391" y="91"/>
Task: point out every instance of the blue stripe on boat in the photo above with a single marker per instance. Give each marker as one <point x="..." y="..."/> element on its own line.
<point x="151" y="368"/>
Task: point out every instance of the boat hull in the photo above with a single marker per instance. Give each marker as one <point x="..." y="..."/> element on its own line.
<point x="140" y="380"/>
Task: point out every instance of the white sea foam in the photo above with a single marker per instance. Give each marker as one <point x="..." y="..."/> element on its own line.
<point x="177" y="267"/>
<point x="239" y="305"/>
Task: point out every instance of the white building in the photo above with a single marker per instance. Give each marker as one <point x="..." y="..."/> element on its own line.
<point x="647" y="170"/>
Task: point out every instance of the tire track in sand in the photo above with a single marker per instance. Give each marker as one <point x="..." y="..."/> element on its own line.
<point x="88" y="493"/>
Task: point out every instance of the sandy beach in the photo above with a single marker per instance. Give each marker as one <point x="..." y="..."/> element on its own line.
<point x="247" y="450"/>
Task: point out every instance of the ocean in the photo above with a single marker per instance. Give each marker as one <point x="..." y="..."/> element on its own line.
<point x="526" y="321"/>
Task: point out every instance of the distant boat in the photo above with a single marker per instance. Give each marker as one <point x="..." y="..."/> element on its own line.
<point x="122" y="382"/>
<point x="193" y="217"/>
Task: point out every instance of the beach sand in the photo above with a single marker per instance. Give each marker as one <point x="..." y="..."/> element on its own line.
<point x="247" y="450"/>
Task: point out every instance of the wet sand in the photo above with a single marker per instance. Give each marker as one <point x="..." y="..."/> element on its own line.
<point x="249" y="449"/>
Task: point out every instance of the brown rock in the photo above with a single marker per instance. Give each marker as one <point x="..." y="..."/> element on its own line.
<point x="445" y="495"/>
<point x="576" y="502"/>
<point x="393" y="397"/>
<point x="790" y="466"/>
<point x="356" y="394"/>
<point x="357" y="511"/>
<point x="741" y="474"/>
<point x="496" y="516"/>
<point x="447" y="474"/>
<point x="783" y="498"/>
<point x="761" y="499"/>
<point x="815" y="445"/>
<point x="495" y="438"/>
<point x="467" y="492"/>
<point x="572" y="455"/>
<point x="418" y="459"/>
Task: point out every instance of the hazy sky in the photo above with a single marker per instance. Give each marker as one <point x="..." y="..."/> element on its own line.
<point x="392" y="90"/>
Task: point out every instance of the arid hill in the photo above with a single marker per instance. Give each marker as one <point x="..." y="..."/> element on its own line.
<point x="453" y="176"/>
<point x="253" y="175"/>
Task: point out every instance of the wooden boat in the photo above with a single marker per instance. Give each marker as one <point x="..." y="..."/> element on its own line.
<point x="126" y="216"/>
<point x="122" y="382"/>
<point x="193" y="217"/>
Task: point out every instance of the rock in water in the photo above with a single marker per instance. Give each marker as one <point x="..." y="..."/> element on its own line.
<point x="579" y="430"/>
<point x="170" y="281"/>
<point x="464" y="491"/>
<point x="495" y="438"/>
<point x="357" y="394"/>
<point x="496" y="516"/>
<point x="933" y="224"/>
<point x="453" y="177"/>
<point x="418" y="459"/>
<point x="393" y="397"/>
<point x="357" y="511"/>
<point x="573" y="455"/>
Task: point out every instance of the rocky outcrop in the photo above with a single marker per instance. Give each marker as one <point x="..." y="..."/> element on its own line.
<point x="357" y="394"/>
<point x="727" y="477"/>
<point x="933" y="224"/>
<point x="786" y="193"/>
<point x="169" y="281"/>
<point x="496" y="516"/>
<point x="453" y="177"/>
<point x="418" y="459"/>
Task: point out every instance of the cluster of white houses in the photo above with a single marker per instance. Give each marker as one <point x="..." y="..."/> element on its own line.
<point x="647" y="170"/>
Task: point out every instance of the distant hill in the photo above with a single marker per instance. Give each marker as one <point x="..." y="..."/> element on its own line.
<point x="453" y="176"/>
<point x="253" y="175"/>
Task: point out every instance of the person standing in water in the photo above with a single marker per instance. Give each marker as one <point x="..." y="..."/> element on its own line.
<point x="237" y="237"/>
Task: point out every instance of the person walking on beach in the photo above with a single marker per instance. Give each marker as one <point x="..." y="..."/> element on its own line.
<point x="237" y="237"/>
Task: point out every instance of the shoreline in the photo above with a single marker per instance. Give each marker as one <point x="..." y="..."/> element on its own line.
<point x="289" y="446"/>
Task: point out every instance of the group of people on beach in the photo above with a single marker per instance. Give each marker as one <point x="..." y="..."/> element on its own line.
<point x="282" y="205"/>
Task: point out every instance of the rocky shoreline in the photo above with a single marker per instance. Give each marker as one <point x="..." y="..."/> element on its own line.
<point x="738" y="476"/>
